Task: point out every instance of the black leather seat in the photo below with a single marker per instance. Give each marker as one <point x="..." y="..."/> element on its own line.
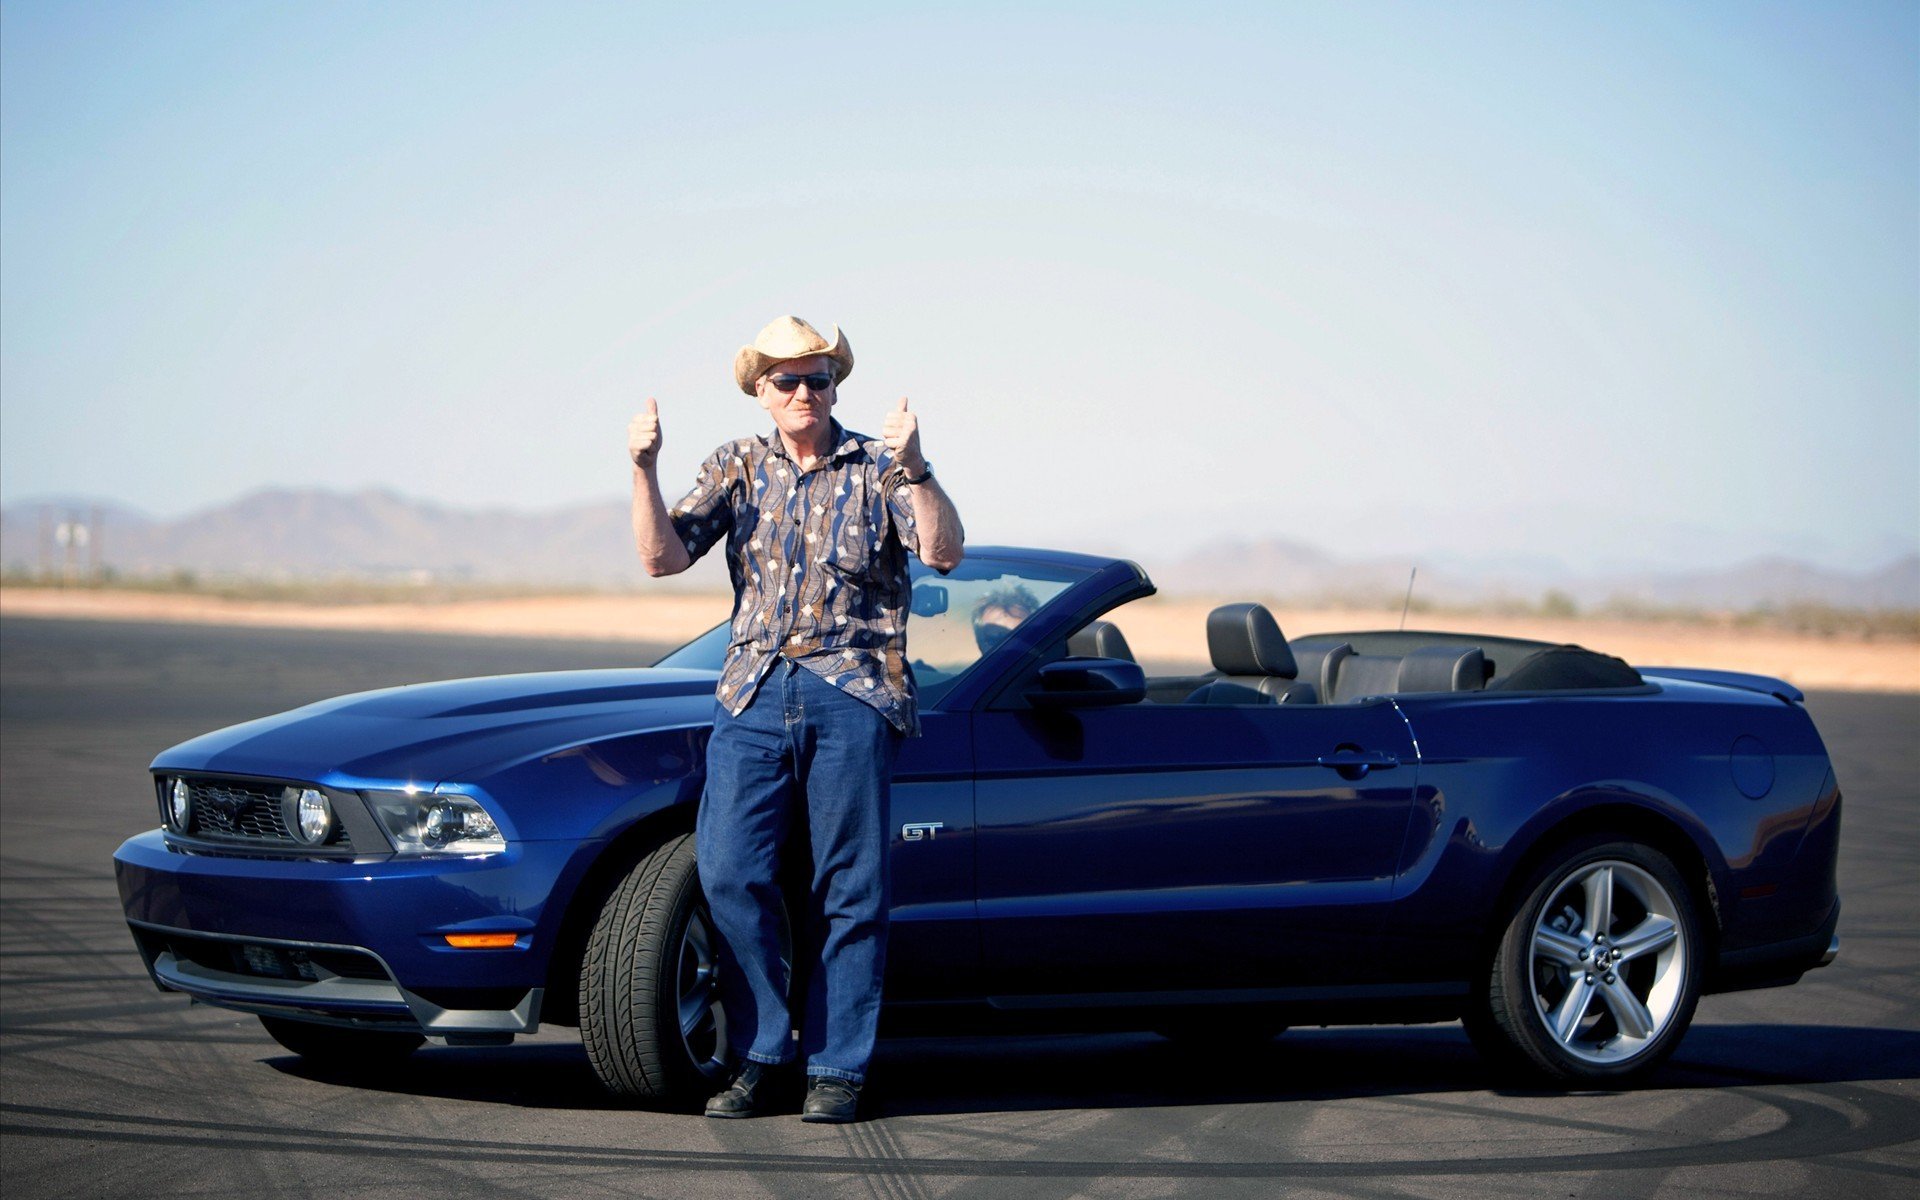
<point x="1346" y="676"/>
<point x="1442" y="669"/>
<point x="1251" y="654"/>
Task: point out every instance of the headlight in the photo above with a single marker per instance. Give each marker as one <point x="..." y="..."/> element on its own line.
<point x="180" y="804"/>
<point x="436" y="823"/>
<point x="309" y="815"/>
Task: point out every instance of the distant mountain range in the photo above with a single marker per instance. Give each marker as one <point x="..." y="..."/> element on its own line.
<point x="278" y="533"/>
<point x="304" y="533"/>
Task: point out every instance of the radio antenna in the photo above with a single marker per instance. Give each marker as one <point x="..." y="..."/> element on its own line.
<point x="1408" y="602"/>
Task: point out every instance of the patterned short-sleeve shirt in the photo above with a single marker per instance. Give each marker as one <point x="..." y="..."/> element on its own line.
<point x="819" y="565"/>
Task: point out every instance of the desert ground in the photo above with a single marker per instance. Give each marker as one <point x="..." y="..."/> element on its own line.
<point x="1165" y="632"/>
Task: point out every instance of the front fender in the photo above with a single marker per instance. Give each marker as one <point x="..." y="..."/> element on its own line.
<point x="595" y="790"/>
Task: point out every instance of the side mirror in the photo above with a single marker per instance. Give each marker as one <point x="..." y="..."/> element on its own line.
<point x="929" y="600"/>
<point x="1089" y="683"/>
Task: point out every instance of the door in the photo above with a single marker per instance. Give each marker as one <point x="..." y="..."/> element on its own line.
<point x="1186" y="848"/>
<point x="933" y="940"/>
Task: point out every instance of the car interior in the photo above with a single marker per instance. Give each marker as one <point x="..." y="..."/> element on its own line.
<point x="1253" y="662"/>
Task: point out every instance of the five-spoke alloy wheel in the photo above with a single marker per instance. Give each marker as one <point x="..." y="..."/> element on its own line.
<point x="1598" y="971"/>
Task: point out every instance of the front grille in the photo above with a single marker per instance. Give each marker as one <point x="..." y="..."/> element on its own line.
<point x="239" y="810"/>
<point x="247" y="811"/>
<point x="265" y="960"/>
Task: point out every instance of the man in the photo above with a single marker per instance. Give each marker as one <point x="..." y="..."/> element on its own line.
<point x="999" y="613"/>
<point x="814" y="697"/>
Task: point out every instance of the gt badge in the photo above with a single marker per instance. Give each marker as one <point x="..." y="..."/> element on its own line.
<point x="913" y="831"/>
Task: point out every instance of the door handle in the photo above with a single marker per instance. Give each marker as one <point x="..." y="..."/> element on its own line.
<point x="1353" y="763"/>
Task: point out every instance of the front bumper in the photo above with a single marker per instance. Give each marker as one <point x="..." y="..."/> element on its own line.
<point x="357" y="943"/>
<point x="190" y="962"/>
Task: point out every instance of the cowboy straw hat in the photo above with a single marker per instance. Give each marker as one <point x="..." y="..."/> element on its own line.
<point x="786" y="338"/>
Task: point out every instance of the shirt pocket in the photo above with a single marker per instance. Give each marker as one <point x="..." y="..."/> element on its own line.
<point x="850" y="553"/>
<point x="855" y="542"/>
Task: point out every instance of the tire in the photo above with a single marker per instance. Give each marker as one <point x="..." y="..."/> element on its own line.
<point x="334" y="1046"/>
<point x="1597" y="973"/>
<point x="650" y="1015"/>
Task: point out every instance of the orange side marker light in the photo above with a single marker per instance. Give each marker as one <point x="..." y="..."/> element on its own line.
<point x="480" y="941"/>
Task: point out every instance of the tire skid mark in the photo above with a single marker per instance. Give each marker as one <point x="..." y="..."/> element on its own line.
<point x="876" y="1183"/>
<point x="1820" y="1127"/>
<point x="129" y="952"/>
<point x="49" y="896"/>
<point x="1484" y="1112"/>
<point x="867" y="1141"/>
<point x="52" y="872"/>
<point x="18" y="925"/>
<point x="15" y="1022"/>
<point x="60" y="1038"/>
<point x="1048" y="1129"/>
<point x="60" y="980"/>
<point x="1876" y="1168"/>
<point x="65" y="926"/>
<point x="892" y="1147"/>
<point x="92" y="933"/>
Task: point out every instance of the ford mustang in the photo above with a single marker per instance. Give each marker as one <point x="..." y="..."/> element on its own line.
<point x="1557" y="849"/>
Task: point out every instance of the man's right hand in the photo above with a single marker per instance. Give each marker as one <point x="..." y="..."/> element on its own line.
<point x="643" y="436"/>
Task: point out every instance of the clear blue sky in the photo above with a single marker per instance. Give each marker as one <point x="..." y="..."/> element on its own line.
<point x="1612" y="283"/>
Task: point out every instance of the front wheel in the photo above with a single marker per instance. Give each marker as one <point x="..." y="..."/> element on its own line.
<point x="336" y="1046"/>
<point x="650" y="1014"/>
<point x="1597" y="974"/>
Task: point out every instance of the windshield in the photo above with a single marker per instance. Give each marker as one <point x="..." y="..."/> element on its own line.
<point x="956" y="618"/>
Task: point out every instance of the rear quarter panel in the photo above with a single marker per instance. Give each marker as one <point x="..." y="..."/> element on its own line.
<point x="1502" y="776"/>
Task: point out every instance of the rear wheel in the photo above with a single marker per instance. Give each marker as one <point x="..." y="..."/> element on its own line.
<point x="1598" y="972"/>
<point x="335" y="1046"/>
<point x="650" y="1015"/>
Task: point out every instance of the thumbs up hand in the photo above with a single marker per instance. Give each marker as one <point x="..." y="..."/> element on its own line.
<point x="643" y="436"/>
<point x="902" y="435"/>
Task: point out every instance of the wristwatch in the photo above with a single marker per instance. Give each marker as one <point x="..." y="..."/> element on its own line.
<point x="922" y="477"/>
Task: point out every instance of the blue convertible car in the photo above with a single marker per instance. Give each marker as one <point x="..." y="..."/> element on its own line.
<point x="1560" y="850"/>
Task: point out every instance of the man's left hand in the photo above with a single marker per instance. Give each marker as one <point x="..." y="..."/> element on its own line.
<point x="902" y="435"/>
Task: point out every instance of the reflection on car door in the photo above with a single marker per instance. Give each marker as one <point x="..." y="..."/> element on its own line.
<point x="1181" y="848"/>
<point x="933" y="944"/>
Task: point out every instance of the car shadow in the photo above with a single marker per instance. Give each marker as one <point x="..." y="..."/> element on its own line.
<point x="939" y="1076"/>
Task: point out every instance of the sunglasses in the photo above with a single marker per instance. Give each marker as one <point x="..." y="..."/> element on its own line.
<point x="815" y="383"/>
<point x="990" y="636"/>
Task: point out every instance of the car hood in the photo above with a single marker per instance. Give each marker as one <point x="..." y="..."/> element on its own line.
<point x="429" y="733"/>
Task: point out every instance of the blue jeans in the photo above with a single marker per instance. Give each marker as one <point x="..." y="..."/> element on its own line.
<point x="802" y="747"/>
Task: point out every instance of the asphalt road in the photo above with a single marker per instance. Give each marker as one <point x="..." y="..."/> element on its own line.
<point x="108" y="1087"/>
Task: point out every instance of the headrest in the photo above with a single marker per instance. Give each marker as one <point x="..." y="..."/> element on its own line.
<point x="1330" y="660"/>
<point x="1310" y="657"/>
<point x="1244" y="639"/>
<point x="1101" y="639"/>
<point x="1442" y="669"/>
